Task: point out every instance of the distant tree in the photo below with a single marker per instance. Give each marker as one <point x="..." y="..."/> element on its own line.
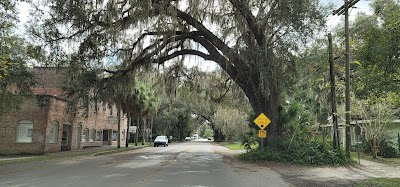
<point x="174" y="120"/>
<point x="231" y="122"/>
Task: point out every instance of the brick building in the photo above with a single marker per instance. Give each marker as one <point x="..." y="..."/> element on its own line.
<point x="43" y="124"/>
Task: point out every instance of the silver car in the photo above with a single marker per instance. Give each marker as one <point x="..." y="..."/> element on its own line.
<point x="161" y="140"/>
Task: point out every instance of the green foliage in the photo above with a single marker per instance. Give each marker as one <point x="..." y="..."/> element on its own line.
<point x="15" y="77"/>
<point x="208" y="133"/>
<point x="366" y="146"/>
<point x="387" y="150"/>
<point x="398" y="141"/>
<point x="9" y="102"/>
<point x="298" y="144"/>
<point x="250" y="138"/>
<point x="298" y="152"/>
<point x="204" y="130"/>
<point x="174" y="121"/>
<point x="378" y="51"/>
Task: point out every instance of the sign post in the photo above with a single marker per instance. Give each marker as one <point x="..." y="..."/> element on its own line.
<point x="262" y="121"/>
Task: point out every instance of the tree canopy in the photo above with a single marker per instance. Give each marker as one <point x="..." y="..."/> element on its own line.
<point x="252" y="41"/>
<point x="379" y="51"/>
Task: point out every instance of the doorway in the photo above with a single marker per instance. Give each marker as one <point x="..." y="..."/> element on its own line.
<point x="106" y="137"/>
<point x="66" y="138"/>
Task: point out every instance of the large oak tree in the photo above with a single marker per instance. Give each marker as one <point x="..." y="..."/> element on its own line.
<point x="253" y="41"/>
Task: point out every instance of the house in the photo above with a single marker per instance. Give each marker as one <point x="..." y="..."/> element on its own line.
<point x="391" y="130"/>
<point x="44" y="125"/>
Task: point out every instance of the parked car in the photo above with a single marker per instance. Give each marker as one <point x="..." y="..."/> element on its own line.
<point x="161" y="140"/>
<point x="188" y="138"/>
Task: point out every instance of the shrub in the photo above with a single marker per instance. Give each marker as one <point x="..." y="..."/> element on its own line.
<point x="300" y="152"/>
<point x="387" y="150"/>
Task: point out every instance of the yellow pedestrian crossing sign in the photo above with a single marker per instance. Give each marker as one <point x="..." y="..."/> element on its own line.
<point x="262" y="121"/>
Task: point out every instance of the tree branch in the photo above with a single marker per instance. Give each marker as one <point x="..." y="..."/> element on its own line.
<point x="217" y="42"/>
<point x="250" y="19"/>
<point x="218" y="100"/>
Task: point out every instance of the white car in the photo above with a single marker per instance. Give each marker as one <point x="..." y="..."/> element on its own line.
<point x="188" y="138"/>
<point x="161" y="140"/>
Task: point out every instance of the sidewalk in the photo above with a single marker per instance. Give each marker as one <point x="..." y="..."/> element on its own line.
<point x="92" y="151"/>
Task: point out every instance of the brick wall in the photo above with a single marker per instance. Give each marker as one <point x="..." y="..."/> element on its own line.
<point x="100" y="120"/>
<point x="43" y="111"/>
<point x="33" y="109"/>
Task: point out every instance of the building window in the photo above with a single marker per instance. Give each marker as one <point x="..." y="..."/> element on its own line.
<point x="92" y="135"/>
<point x="24" y="131"/>
<point x="123" y="135"/>
<point x="114" y="136"/>
<point x="98" y="136"/>
<point x="54" y="132"/>
<point x="106" y="135"/>
<point x="111" y="110"/>
<point x="85" y="135"/>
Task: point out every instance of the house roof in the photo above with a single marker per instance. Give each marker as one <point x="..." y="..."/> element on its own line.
<point x="48" y="81"/>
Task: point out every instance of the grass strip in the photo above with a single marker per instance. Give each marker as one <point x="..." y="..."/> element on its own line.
<point x="379" y="182"/>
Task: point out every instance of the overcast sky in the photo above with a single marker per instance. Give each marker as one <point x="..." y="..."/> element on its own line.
<point x="361" y="6"/>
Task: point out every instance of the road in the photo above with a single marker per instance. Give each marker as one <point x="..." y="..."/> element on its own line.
<point x="190" y="164"/>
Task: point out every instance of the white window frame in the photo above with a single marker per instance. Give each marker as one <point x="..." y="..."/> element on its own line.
<point x="85" y="135"/>
<point x="24" y="131"/>
<point x="99" y="135"/>
<point x="54" y="132"/>
<point x="92" y="135"/>
<point x="114" y="134"/>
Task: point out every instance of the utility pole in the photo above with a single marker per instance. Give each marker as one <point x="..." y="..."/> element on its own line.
<point x="333" y="95"/>
<point x="345" y="9"/>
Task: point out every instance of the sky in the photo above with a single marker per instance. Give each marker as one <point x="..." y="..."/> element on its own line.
<point x="361" y="6"/>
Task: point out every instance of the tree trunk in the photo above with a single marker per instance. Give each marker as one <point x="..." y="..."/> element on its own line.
<point x="270" y="106"/>
<point x="151" y="127"/>
<point x="119" y="127"/>
<point x="127" y="130"/>
<point x="374" y="149"/>
<point x="137" y="131"/>
<point x="144" y="131"/>
<point x="218" y="136"/>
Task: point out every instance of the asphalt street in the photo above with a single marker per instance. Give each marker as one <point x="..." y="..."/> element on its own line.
<point x="190" y="164"/>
